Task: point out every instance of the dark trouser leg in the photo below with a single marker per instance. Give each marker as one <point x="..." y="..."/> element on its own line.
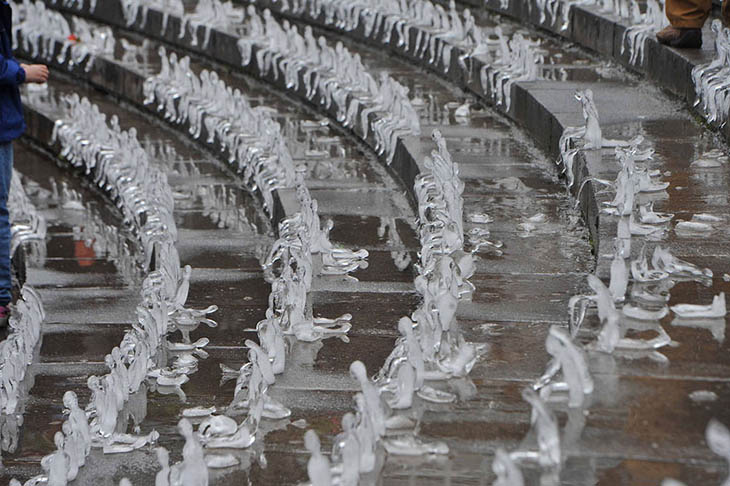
<point x="6" y="172"/>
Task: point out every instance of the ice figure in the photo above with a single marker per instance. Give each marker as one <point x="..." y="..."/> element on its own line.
<point x="198" y="412"/>
<point x="272" y="341"/>
<point x="692" y="228"/>
<point x="507" y="472"/>
<point x="162" y="478"/>
<point x="608" y="315"/>
<point x="611" y="336"/>
<point x="366" y="434"/>
<point x="649" y="216"/>
<point x="640" y="313"/>
<point x="568" y="358"/>
<point x="718" y="440"/>
<point x="619" y="275"/>
<point x="712" y="80"/>
<point x="406" y="367"/>
<point x="664" y="261"/>
<point x="346" y="452"/>
<point x="57" y="464"/>
<point x="405" y="386"/>
<point x="593" y="135"/>
<point x="374" y="407"/>
<point x="221" y="461"/>
<point x="569" y="152"/>
<point x="256" y="376"/>
<point x="242" y="438"/>
<point x="193" y="470"/>
<point x="691" y="311"/>
<point x="79" y="426"/>
<point x="410" y="445"/>
<point x="318" y="466"/>
<point x="17" y="350"/>
<point x="641" y="272"/>
<point x="645" y="24"/>
<point x="217" y="425"/>
<point x="716" y="326"/>
<point x="546" y="428"/>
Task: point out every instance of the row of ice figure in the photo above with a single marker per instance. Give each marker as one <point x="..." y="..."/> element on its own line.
<point x="644" y="20"/>
<point x="18" y="349"/>
<point x="567" y="371"/>
<point x="254" y="141"/>
<point x="636" y="217"/>
<point x="116" y="161"/>
<point x="250" y="136"/>
<point x="712" y="80"/>
<point x="431" y="32"/>
<point x="135" y="362"/>
<point x="207" y="15"/>
<point x="431" y="349"/>
<point x="332" y="74"/>
<point x="439" y="29"/>
<point x="302" y="251"/>
<point x="27" y="224"/>
<point x="45" y="33"/>
<point x="641" y="309"/>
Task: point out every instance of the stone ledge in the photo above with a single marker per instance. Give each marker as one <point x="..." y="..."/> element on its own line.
<point x="603" y="33"/>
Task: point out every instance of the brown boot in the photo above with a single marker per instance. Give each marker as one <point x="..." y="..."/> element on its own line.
<point x="679" y="37"/>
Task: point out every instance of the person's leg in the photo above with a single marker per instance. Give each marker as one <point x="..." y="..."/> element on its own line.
<point x="6" y="171"/>
<point x="688" y="14"/>
<point x="686" y="18"/>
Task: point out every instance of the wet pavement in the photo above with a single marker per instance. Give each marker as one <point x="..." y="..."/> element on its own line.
<point x="639" y="426"/>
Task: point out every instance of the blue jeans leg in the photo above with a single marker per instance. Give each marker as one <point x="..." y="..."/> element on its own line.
<point x="6" y="174"/>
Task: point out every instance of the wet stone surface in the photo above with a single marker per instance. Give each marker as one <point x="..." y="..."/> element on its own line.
<point x="639" y="426"/>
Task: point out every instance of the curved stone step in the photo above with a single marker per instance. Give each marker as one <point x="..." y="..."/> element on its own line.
<point x="601" y="32"/>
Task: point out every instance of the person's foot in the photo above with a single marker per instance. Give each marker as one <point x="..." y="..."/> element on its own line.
<point x="679" y="37"/>
<point x="4" y="315"/>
